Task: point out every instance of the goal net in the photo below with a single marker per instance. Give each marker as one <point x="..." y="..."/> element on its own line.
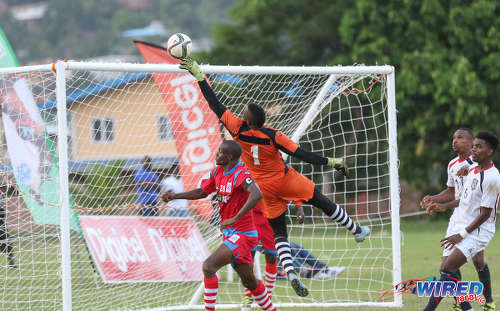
<point x="89" y="149"/>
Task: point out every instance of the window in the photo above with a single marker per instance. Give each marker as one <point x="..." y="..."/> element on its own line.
<point x="164" y="128"/>
<point x="102" y="130"/>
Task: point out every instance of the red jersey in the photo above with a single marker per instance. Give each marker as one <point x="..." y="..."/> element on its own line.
<point x="260" y="147"/>
<point x="230" y="194"/>
<point x="258" y="217"/>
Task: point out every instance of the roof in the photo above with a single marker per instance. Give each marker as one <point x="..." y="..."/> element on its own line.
<point x="129" y="163"/>
<point x="96" y="89"/>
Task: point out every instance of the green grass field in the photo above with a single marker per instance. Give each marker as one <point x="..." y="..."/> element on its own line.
<point x="36" y="285"/>
<point x="421" y="257"/>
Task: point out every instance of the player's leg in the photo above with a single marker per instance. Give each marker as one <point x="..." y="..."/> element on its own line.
<point x="248" y="298"/>
<point x="271" y="271"/>
<point x="449" y="273"/>
<point x="483" y="272"/>
<point x="296" y="187"/>
<point x="451" y="230"/>
<point x="266" y="236"/>
<point x="306" y="258"/>
<point x="256" y="287"/>
<point x="339" y="215"/>
<point x="284" y="253"/>
<point x="446" y="253"/>
<point x="219" y="258"/>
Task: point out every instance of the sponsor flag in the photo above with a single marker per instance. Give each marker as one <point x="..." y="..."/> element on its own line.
<point x="32" y="155"/>
<point x="145" y="249"/>
<point x="7" y="56"/>
<point x="196" y="129"/>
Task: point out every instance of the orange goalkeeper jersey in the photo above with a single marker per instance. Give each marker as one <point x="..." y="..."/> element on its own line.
<point x="261" y="147"/>
<point x="261" y="153"/>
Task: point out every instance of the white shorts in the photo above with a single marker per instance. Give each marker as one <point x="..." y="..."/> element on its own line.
<point x="451" y="230"/>
<point x="473" y="243"/>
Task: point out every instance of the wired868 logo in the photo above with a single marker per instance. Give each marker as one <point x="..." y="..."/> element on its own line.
<point x="461" y="290"/>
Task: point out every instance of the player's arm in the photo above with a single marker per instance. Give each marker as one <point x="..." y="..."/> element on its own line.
<point x="255" y="196"/>
<point x="194" y="69"/>
<point x="195" y="194"/>
<point x="446" y="195"/>
<point x="489" y="200"/>
<point x="432" y="203"/>
<point x="450" y="241"/>
<point x="288" y="146"/>
<point x="213" y="102"/>
<point x="441" y="207"/>
<point x="230" y="121"/>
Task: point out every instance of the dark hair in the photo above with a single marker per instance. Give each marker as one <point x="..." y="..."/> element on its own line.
<point x="489" y="138"/>
<point x="146" y="160"/>
<point x="467" y="130"/>
<point x="258" y="114"/>
<point x="233" y="147"/>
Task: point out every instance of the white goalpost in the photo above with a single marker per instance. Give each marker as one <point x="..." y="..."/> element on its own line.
<point x="76" y="135"/>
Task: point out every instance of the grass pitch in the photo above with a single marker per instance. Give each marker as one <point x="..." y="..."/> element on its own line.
<point x="36" y="285"/>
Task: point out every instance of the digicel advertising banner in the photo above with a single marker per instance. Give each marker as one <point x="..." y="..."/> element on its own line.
<point x="195" y="127"/>
<point x="143" y="249"/>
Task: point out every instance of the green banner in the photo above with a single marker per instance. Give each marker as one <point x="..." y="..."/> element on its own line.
<point x="32" y="154"/>
<point x="7" y="56"/>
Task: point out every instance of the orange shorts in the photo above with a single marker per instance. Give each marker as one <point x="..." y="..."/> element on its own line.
<point x="277" y="192"/>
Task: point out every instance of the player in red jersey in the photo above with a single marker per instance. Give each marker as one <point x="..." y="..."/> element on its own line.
<point x="237" y="194"/>
<point x="279" y="182"/>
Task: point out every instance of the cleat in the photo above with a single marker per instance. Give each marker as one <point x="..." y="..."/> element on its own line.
<point x="360" y="237"/>
<point x="334" y="271"/>
<point x="297" y="285"/>
<point x="456" y="307"/>
<point x="489" y="306"/>
<point x="247" y="303"/>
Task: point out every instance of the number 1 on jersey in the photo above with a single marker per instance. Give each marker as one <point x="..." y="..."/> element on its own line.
<point x="255" y="153"/>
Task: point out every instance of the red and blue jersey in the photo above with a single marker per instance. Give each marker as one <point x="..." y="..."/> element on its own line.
<point x="230" y="194"/>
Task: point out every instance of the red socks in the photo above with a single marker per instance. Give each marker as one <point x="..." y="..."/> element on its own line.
<point x="211" y="288"/>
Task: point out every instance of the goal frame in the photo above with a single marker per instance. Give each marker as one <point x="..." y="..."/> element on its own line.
<point x="61" y="67"/>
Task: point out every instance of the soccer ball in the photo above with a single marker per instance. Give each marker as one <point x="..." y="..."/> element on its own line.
<point x="179" y="45"/>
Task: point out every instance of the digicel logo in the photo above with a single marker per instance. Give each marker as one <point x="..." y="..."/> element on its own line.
<point x="197" y="151"/>
<point x="141" y="249"/>
<point x="123" y="250"/>
<point x="120" y="249"/>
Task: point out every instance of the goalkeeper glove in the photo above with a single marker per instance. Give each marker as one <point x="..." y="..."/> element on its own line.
<point x="192" y="66"/>
<point x="339" y="165"/>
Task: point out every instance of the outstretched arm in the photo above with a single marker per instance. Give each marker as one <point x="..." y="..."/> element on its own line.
<point x="213" y="102"/>
<point x="308" y="156"/>
<point x="195" y="194"/>
<point x="230" y="121"/>
<point x="194" y="69"/>
<point x="288" y="146"/>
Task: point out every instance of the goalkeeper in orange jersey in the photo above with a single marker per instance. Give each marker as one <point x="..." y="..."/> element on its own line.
<point x="278" y="181"/>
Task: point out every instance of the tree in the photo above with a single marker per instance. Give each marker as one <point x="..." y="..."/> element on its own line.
<point x="446" y="55"/>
